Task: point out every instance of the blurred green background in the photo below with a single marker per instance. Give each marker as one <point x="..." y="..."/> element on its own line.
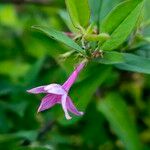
<point x="116" y="103"/>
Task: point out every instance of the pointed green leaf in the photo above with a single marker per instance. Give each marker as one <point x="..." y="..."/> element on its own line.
<point x="110" y="58"/>
<point x="106" y="7"/>
<point x="95" y="6"/>
<point x="126" y="61"/>
<point x="34" y="71"/>
<point x="115" y="111"/>
<point x="135" y="63"/>
<point x="66" y="18"/>
<point x="120" y="22"/>
<point x="79" y="12"/>
<point x="59" y="36"/>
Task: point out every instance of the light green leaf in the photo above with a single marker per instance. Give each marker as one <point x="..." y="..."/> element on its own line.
<point x="66" y="18"/>
<point x="115" y="111"/>
<point x="120" y="22"/>
<point x="126" y="61"/>
<point x="14" y="69"/>
<point x="147" y="39"/>
<point x="59" y="36"/>
<point x="8" y="16"/>
<point x="106" y="7"/>
<point x="79" y="12"/>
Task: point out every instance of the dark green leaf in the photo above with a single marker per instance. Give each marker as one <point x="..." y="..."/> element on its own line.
<point x="34" y="71"/>
<point x="110" y="58"/>
<point x="6" y="87"/>
<point x="18" y="108"/>
<point x="126" y="61"/>
<point x="120" y="22"/>
<point x="135" y="63"/>
<point x="30" y="135"/>
<point x="34" y="148"/>
<point x="115" y="110"/>
<point x="59" y="36"/>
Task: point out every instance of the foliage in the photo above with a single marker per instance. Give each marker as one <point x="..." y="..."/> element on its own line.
<point x="112" y="90"/>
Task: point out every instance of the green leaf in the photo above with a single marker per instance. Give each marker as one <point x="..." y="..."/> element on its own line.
<point x="79" y="12"/>
<point x="34" y="148"/>
<point x="82" y="92"/>
<point x="120" y="22"/>
<point x="95" y="6"/>
<point x="126" y="61"/>
<point x="13" y="68"/>
<point x="115" y="110"/>
<point x="5" y="123"/>
<point x="59" y="36"/>
<point x="6" y="87"/>
<point x="135" y="63"/>
<point x="147" y="39"/>
<point x="30" y="135"/>
<point x="146" y="10"/>
<point x="88" y="86"/>
<point x="106" y="7"/>
<point x="66" y="18"/>
<point x="34" y="71"/>
<point x="8" y="16"/>
<point x="110" y="58"/>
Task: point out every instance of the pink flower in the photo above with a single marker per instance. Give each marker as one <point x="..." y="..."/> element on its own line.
<point x="58" y="94"/>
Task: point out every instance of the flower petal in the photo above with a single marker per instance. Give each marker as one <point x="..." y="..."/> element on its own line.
<point x="37" y="90"/>
<point x="73" y="77"/>
<point x="64" y="106"/>
<point x="72" y="108"/>
<point x="55" y="89"/>
<point x="48" y="101"/>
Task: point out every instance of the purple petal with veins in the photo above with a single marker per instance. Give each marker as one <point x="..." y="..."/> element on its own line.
<point x="73" y="77"/>
<point x="58" y="94"/>
<point x="72" y="108"/>
<point x="48" y="101"/>
<point x="37" y="90"/>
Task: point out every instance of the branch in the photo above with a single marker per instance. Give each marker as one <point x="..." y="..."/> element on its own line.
<point x="35" y="2"/>
<point x="48" y="126"/>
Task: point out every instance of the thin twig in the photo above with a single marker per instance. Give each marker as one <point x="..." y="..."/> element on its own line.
<point x="47" y="127"/>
